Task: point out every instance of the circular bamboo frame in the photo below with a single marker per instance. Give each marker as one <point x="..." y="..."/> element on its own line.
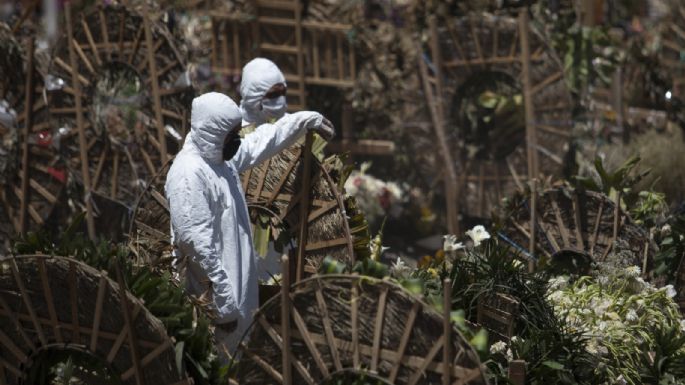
<point x="572" y="221"/>
<point x="30" y="152"/>
<point x="483" y="43"/>
<point x="121" y="158"/>
<point x="277" y="183"/>
<point x="48" y="301"/>
<point x="351" y="324"/>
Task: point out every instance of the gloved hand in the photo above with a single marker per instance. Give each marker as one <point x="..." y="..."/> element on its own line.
<point x="314" y="121"/>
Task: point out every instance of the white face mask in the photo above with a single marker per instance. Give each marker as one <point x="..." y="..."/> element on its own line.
<point x="274" y="108"/>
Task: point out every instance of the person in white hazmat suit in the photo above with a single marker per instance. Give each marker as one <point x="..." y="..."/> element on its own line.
<point x="209" y="218"/>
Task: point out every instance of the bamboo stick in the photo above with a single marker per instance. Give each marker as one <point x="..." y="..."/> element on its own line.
<point x="85" y="172"/>
<point x="23" y="211"/>
<point x="285" y="320"/>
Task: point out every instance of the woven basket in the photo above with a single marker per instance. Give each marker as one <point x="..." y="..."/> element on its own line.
<point x="57" y="303"/>
<point x="578" y="222"/>
<point x="345" y="325"/>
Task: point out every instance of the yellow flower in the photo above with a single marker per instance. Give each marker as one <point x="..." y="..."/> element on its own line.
<point x="425" y="261"/>
<point x="433" y="272"/>
<point x="439" y="256"/>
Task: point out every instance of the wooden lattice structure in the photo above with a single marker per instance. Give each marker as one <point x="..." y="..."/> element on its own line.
<point x="56" y="303"/>
<point x="485" y="54"/>
<point x="337" y="327"/>
<point x="573" y="224"/>
<point x="308" y="52"/>
<point x="273" y="189"/>
<point x="32" y="177"/>
<point x="118" y="56"/>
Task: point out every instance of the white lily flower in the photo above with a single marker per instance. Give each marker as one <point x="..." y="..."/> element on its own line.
<point x="498" y="347"/>
<point x="399" y="268"/>
<point x="450" y="243"/>
<point x="670" y="291"/>
<point x="478" y="234"/>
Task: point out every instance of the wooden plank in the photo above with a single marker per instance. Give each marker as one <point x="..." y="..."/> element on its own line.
<point x="47" y="293"/>
<point x="531" y="141"/>
<point x="8" y="312"/>
<point x="136" y="45"/>
<point x="560" y="223"/>
<point x="326" y="244"/>
<point x="327" y="327"/>
<point x="100" y="166"/>
<point x="27" y="302"/>
<point x="576" y="216"/>
<point x="429" y="357"/>
<point x="128" y="323"/>
<point x="305" y="335"/>
<point x="447" y="330"/>
<point x="105" y="34"/>
<point x="314" y="215"/>
<point x="83" y="56"/>
<point x="26" y="129"/>
<point x="354" y="322"/>
<point x="152" y="66"/>
<point x="75" y="328"/>
<point x="122" y="335"/>
<point x="91" y="42"/>
<point x="102" y="287"/>
<point x="378" y="328"/>
<point x="7" y="342"/>
<point x="114" y="176"/>
<point x="42" y="191"/>
<point x="546" y="82"/>
<point x="279" y="341"/>
<point x="263" y="364"/>
<point x="595" y="229"/>
<point x="85" y="172"/>
<point x="404" y="340"/>
<point x="156" y="352"/>
<point x="302" y="234"/>
<point x="284" y="176"/>
<point x="285" y="322"/>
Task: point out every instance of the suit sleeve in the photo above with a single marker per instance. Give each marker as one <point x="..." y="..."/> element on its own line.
<point x="269" y="139"/>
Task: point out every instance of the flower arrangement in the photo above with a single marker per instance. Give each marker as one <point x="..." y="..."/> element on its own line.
<point x="621" y="316"/>
<point x="376" y="198"/>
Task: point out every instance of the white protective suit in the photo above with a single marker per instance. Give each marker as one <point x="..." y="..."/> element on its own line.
<point x="209" y="217"/>
<point x="259" y="75"/>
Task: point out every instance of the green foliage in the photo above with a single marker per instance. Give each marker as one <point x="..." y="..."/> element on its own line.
<point x="553" y="352"/>
<point x="671" y="240"/>
<point x="623" y="180"/>
<point x="162" y="296"/>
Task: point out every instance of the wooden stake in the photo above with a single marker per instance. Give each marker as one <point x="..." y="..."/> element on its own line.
<point x="447" y="330"/>
<point x="28" y="125"/>
<point x="285" y="320"/>
<point x="450" y="179"/>
<point x="132" y="341"/>
<point x="517" y="372"/>
<point x="83" y="148"/>
<point x="159" y="119"/>
<point x="531" y="136"/>
<point x="533" y="220"/>
<point x="304" y="206"/>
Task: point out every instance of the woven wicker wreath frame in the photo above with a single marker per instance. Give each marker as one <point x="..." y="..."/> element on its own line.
<point x="573" y="221"/>
<point x="32" y="176"/>
<point x="50" y="302"/>
<point x="352" y="324"/>
<point x="119" y="158"/>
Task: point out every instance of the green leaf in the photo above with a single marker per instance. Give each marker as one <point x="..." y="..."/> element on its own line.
<point x="179" y="357"/>
<point x="553" y="364"/>
<point x="261" y="239"/>
<point x="480" y="340"/>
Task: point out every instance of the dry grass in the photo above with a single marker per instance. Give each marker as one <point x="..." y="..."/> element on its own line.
<point x="663" y="153"/>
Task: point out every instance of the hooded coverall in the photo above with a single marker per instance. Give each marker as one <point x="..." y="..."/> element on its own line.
<point x="209" y="218"/>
